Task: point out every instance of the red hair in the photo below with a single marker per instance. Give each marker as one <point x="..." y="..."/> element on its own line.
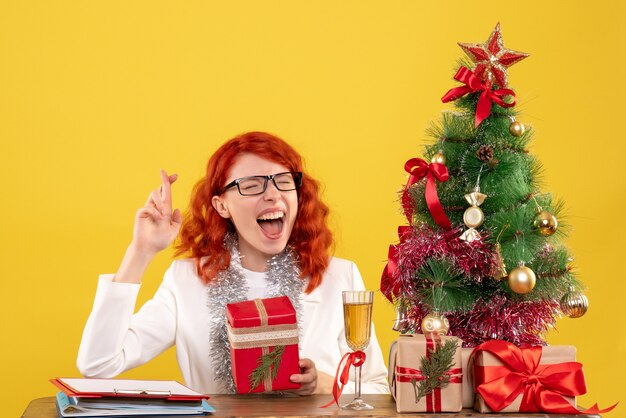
<point x="203" y="231"/>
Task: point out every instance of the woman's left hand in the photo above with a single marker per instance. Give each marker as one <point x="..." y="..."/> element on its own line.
<point x="309" y="379"/>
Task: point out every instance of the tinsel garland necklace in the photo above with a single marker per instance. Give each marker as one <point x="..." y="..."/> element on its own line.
<point x="230" y="285"/>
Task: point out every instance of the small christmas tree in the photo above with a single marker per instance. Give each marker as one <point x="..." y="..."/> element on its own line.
<point x="482" y="256"/>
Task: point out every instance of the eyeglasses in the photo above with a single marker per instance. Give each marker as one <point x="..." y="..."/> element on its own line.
<point x="254" y="185"/>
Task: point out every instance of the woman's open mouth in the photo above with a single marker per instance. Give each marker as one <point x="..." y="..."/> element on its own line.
<point x="271" y="223"/>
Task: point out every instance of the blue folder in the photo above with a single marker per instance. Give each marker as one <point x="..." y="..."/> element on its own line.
<point x="70" y="406"/>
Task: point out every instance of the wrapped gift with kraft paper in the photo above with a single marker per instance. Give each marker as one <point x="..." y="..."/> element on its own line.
<point x="468" y="388"/>
<point x="405" y="376"/>
<point x="263" y="335"/>
<point x="507" y="378"/>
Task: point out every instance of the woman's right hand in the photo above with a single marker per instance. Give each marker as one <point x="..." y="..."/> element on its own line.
<point x="156" y="225"/>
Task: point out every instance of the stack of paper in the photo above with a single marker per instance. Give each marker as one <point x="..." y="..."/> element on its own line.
<point x="113" y="397"/>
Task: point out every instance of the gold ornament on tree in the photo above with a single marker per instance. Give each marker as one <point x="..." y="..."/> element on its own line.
<point x="545" y="222"/>
<point x="435" y="323"/>
<point x="521" y="279"/>
<point x="500" y="270"/>
<point x="402" y="323"/>
<point x="516" y="128"/>
<point x="473" y="217"/>
<point x="574" y="303"/>
<point x="439" y="158"/>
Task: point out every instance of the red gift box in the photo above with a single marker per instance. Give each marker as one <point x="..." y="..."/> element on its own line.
<point x="256" y="329"/>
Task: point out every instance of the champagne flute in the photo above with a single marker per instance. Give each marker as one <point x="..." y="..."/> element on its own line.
<point x="357" y="316"/>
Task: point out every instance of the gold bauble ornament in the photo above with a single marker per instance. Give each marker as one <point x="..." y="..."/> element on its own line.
<point x="574" y="303"/>
<point x="546" y="223"/>
<point x="517" y="128"/>
<point x="434" y="322"/>
<point x="439" y="158"/>
<point x="522" y="280"/>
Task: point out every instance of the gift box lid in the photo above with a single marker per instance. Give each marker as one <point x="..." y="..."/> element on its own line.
<point x="246" y="314"/>
<point x="550" y="354"/>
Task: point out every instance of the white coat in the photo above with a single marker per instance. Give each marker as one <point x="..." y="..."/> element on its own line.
<point x="114" y="340"/>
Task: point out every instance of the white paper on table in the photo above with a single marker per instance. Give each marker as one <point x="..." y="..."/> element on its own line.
<point x="114" y="385"/>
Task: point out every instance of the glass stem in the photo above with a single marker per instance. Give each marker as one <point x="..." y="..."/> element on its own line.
<point x="357" y="382"/>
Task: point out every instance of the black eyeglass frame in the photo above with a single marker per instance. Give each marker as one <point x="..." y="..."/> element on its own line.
<point x="297" y="179"/>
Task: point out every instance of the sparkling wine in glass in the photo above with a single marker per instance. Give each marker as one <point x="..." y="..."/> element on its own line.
<point x="357" y="316"/>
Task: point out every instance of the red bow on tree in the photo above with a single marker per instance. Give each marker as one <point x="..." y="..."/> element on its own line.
<point x="542" y="386"/>
<point x="388" y="284"/>
<point x="487" y="96"/>
<point x="418" y="169"/>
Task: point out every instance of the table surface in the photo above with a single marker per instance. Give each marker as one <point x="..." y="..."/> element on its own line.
<point x="301" y="407"/>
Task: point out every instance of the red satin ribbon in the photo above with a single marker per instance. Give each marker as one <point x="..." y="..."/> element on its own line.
<point x="388" y="286"/>
<point x="406" y="374"/>
<point x="433" y="400"/>
<point x="542" y="385"/>
<point x="356" y="359"/>
<point x="487" y="96"/>
<point x="418" y="169"/>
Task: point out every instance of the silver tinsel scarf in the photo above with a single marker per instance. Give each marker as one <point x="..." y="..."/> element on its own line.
<point x="283" y="279"/>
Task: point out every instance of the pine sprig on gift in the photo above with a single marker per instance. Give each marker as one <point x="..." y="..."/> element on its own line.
<point x="267" y="363"/>
<point x="434" y="368"/>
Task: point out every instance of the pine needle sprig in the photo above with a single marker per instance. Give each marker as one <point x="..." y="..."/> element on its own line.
<point x="434" y="369"/>
<point x="266" y="363"/>
<point x="441" y="286"/>
<point x="453" y="127"/>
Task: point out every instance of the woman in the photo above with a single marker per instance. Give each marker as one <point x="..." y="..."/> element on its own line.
<point x="255" y="228"/>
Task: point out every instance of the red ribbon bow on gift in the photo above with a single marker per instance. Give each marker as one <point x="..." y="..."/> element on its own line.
<point x="487" y="96"/>
<point x="542" y="385"/>
<point x="418" y="169"/>
<point x="356" y="359"/>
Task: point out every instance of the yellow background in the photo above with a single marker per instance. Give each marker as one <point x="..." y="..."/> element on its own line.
<point x="95" y="97"/>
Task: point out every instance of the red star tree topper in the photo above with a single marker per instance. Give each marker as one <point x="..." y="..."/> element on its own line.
<point x="492" y="58"/>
